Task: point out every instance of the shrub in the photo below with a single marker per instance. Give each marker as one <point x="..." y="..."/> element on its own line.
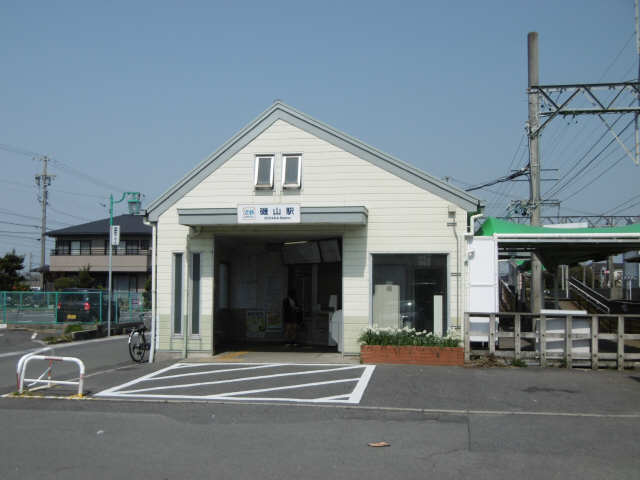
<point x="73" y="328"/>
<point x="404" y="336"/>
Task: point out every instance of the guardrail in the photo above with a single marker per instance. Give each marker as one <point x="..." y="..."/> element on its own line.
<point x="569" y="340"/>
<point x="21" y="369"/>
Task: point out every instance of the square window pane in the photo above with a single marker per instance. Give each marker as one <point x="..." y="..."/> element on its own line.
<point x="291" y="170"/>
<point x="264" y="171"/>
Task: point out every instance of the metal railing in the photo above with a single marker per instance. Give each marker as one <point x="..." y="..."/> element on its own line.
<point x="83" y="306"/>
<point x="592" y="297"/>
<point x="568" y="340"/>
<point x="98" y="251"/>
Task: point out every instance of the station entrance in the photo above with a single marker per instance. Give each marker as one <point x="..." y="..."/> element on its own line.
<point x="278" y="292"/>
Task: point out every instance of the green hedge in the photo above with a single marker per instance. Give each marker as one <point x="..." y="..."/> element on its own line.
<point x="405" y="336"/>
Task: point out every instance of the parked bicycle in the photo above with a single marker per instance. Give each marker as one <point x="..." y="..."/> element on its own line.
<point x="139" y="345"/>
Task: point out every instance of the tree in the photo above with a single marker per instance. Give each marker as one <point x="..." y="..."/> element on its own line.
<point x="146" y="295"/>
<point x="65" y="282"/>
<point x="85" y="280"/>
<point x="10" y="265"/>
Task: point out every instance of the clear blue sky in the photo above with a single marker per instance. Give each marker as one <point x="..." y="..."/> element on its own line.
<point x="135" y="94"/>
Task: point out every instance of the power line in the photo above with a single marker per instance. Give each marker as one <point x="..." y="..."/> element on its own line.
<point x="597" y="177"/>
<point x="69" y="215"/>
<point x="29" y="217"/>
<point x="67" y="168"/>
<point x="617" y="56"/>
<point x="20" y="224"/>
<point x="506" y="178"/>
<point x="18" y="150"/>
<point x="59" y="164"/>
<point x="558" y="188"/>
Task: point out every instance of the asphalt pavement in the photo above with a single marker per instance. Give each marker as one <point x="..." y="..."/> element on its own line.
<point x="438" y="422"/>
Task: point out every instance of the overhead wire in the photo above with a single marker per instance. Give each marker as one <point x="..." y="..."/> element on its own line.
<point x="558" y="187"/>
<point x="617" y="56"/>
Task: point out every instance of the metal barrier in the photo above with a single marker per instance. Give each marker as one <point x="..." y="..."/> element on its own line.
<point x="25" y="359"/>
<point x="84" y="306"/>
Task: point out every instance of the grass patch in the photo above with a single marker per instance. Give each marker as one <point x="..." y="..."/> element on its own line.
<point x="74" y="327"/>
<point x="518" y="362"/>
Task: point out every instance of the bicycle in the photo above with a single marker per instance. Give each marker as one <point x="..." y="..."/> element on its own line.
<point x="138" y="344"/>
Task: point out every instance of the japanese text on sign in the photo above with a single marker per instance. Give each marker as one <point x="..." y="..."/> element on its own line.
<point x="278" y="213"/>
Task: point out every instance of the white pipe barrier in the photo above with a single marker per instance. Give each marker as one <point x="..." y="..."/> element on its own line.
<point x="24" y="357"/>
<point x="24" y="361"/>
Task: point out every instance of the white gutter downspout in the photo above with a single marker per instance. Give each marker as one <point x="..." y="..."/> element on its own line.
<point x="154" y="273"/>
<point x="467" y="235"/>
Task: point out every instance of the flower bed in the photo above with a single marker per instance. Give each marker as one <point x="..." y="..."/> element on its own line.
<point x="408" y="346"/>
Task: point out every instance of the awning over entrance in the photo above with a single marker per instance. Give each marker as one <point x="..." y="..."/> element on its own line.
<point x="562" y="246"/>
<point x="308" y="216"/>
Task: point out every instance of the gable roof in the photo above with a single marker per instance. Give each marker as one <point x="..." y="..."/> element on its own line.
<point x="129" y="225"/>
<point x="281" y="111"/>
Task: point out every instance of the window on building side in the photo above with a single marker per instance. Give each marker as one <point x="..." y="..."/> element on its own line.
<point x="195" y="294"/>
<point x="264" y="171"/>
<point x="177" y="293"/>
<point x="410" y="291"/>
<point x="291" y="167"/>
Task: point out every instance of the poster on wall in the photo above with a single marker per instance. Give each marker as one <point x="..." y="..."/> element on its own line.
<point x="256" y="324"/>
<point x="274" y="321"/>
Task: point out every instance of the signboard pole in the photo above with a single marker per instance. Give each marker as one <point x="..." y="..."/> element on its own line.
<point x="110" y="263"/>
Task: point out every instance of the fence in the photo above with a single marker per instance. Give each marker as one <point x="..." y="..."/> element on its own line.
<point x="567" y="340"/>
<point x="47" y="308"/>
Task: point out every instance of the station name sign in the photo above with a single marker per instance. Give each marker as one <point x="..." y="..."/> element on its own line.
<point x="271" y="213"/>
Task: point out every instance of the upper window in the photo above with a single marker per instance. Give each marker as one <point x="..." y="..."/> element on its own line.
<point x="291" y="166"/>
<point x="264" y="171"/>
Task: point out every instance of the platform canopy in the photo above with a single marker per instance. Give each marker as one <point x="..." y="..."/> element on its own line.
<point x="561" y="246"/>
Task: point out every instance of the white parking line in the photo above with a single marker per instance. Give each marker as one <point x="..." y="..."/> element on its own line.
<point x="348" y="396"/>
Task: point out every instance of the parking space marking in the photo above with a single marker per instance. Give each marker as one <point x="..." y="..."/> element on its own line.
<point x="141" y="387"/>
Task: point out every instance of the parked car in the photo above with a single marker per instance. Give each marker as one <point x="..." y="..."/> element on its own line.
<point x="84" y="305"/>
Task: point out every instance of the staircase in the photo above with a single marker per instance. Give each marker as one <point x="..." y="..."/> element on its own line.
<point x="596" y="301"/>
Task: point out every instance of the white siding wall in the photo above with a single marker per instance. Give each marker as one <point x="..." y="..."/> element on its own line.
<point x="402" y="217"/>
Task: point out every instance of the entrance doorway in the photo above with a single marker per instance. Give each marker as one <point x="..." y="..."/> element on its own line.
<point x="254" y="276"/>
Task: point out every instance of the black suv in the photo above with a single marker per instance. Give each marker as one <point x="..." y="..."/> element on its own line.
<point x="84" y="305"/>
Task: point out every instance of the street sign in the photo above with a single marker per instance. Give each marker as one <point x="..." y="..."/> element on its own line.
<point x="115" y="235"/>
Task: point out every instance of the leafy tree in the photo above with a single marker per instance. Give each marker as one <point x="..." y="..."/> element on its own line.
<point x="10" y="265"/>
<point x="146" y="295"/>
<point x="85" y="280"/>
<point x="65" y="282"/>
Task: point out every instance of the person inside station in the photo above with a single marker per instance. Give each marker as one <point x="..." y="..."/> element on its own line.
<point x="291" y="314"/>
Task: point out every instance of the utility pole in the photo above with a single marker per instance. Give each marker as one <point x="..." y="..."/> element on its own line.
<point x="43" y="181"/>
<point x="638" y="51"/>
<point x="534" y="167"/>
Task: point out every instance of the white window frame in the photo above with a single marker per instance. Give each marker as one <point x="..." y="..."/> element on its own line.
<point x="182" y="293"/>
<point x="271" y="157"/>
<point x="284" y="170"/>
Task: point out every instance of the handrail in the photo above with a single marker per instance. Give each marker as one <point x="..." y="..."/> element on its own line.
<point x="587" y="295"/>
<point x="25" y="359"/>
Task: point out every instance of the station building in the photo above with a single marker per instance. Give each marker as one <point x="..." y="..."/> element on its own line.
<point x="292" y="206"/>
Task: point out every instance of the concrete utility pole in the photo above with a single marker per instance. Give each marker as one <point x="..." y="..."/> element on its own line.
<point x="534" y="167"/>
<point x="43" y="181"/>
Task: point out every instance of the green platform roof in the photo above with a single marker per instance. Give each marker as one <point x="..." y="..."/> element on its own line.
<point x="558" y="246"/>
<point x="496" y="226"/>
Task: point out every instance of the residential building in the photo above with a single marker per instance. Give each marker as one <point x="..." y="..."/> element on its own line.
<point x="87" y="245"/>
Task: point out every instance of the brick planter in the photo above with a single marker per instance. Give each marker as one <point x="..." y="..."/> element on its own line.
<point x="410" y="355"/>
